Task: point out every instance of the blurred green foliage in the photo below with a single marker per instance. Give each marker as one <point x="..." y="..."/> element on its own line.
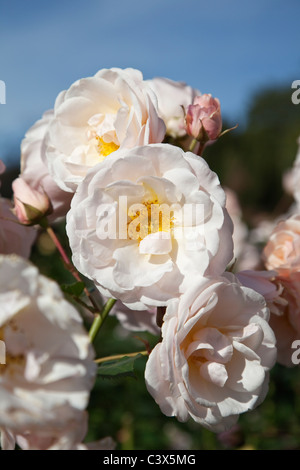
<point x="251" y="160"/>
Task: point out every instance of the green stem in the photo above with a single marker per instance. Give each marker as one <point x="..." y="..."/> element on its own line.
<point x="193" y="145"/>
<point x="119" y="356"/>
<point x="100" y="318"/>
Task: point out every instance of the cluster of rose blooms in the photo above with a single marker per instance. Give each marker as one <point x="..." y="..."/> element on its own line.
<point x="227" y="312"/>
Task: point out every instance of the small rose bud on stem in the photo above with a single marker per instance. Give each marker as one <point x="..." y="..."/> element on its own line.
<point x="31" y="205"/>
<point x="32" y="208"/>
<point x="203" y="122"/>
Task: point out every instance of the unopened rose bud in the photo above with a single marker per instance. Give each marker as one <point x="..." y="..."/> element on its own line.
<point x="31" y="205"/>
<point x="203" y="118"/>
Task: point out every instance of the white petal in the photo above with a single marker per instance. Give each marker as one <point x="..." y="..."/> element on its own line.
<point x="158" y="243"/>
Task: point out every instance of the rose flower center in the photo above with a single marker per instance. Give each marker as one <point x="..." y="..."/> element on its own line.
<point x="147" y="218"/>
<point x="105" y="148"/>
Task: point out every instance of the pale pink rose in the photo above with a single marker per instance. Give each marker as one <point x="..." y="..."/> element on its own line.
<point x="14" y="237"/>
<point x="282" y="254"/>
<point x="282" y="251"/>
<point x="96" y="116"/>
<point x="115" y="243"/>
<point x="49" y="371"/>
<point x="31" y="205"/>
<point x="34" y="170"/>
<point x="286" y="320"/>
<point x="203" y="118"/>
<point x="173" y="98"/>
<point x="215" y="355"/>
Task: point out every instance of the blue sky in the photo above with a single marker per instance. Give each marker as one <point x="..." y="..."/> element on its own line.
<point x="229" y="48"/>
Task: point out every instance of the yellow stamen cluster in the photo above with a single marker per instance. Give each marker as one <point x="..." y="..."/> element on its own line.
<point x="148" y="217"/>
<point x="105" y="148"/>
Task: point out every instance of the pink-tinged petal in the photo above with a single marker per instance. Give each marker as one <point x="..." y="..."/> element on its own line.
<point x="30" y="204"/>
<point x="214" y="372"/>
<point x="203" y="118"/>
<point x="215" y="353"/>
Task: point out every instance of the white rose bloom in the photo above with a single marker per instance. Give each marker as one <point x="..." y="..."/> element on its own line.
<point x="49" y="370"/>
<point x="142" y="224"/>
<point x="173" y="98"/>
<point x="34" y="170"/>
<point x="14" y="237"/>
<point x="66" y="437"/>
<point x="96" y="116"/>
<point x="214" y="358"/>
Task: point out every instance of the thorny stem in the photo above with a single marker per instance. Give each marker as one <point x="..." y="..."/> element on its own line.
<point x="68" y="264"/>
<point x="101" y="315"/>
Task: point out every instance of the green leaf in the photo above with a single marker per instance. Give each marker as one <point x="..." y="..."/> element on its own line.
<point x="119" y="368"/>
<point x="75" y="289"/>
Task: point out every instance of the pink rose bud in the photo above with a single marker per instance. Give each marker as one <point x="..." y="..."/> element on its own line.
<point x="31" y="205"/>
<point x="203" y="118"/>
